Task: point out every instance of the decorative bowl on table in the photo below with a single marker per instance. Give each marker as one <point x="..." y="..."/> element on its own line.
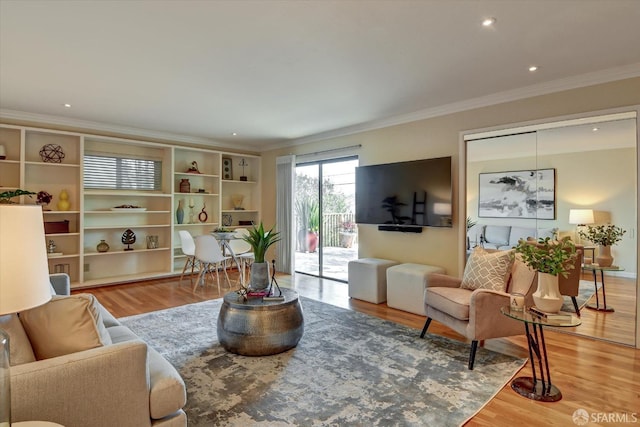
<point x="223" y="233"/>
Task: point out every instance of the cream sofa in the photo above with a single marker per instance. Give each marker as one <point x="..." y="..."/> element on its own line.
<point x="125" y="383"/>
<point x="504" y="237"/>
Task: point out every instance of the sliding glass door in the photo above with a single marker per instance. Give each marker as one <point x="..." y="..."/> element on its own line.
<point x="326" y="235"/>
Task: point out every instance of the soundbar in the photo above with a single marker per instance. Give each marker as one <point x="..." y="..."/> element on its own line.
<point x="401" y="228"/>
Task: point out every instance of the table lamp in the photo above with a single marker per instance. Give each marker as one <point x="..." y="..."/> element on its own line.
<point x="579" y="218"/>
<point x="24" y="279"/>
<point x="444" y="211"/>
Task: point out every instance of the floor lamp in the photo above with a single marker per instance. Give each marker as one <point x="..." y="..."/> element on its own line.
<point x="580" y="218"/>
<point x="24" y="279"/>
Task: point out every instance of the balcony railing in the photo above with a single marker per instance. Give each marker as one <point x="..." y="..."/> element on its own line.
<point x="333" y="224"/>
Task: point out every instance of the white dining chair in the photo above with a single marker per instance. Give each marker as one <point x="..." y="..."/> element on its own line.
<point x="188" y="247"/>
<point x="243" y="256"/>
<point x="210" y="257"/>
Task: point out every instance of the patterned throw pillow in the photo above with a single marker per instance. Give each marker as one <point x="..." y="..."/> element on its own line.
<point x="487" y="270"/>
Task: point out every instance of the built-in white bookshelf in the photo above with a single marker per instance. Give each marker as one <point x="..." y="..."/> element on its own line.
<point x="92" y="214"/>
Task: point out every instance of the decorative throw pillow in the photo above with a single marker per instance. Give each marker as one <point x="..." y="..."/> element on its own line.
<point x="522" y="277"/>
<point x="487" y="270"/>
<point x="19" y="345"/>
<point x="64" y="325"/>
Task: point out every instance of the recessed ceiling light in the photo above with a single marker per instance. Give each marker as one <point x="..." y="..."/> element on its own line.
<point x="234" y="134"/>
<point x="533" y="68"/>
<point x="67" y="105"/>
<point x="595" y="129"/>
<point x="487" y="22"/>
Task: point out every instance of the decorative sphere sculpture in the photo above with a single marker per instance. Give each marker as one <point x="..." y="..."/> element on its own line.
<point x="51" y="153"/>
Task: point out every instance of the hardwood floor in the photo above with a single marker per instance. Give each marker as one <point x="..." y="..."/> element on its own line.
<point x="618" y="326"/>
<point x="597" y="376"/>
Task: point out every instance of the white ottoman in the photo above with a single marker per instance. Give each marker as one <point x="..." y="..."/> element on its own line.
<point x="406" y="284"/>
<point x="368" y="279"/>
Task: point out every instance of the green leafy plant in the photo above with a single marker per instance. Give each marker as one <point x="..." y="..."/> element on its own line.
<point x="260" y="240"/>
<point x="8" y="195"/>
<point x="470" y="223"/>
<point x="308" y="214"/>
<point x="314" y="217"/>
<point x="548" y="256"/>
<point x="605" y="235"/>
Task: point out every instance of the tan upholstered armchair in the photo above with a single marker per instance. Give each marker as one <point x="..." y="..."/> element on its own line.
<point x="569" y="285"/>
<point x="475" y="314"/>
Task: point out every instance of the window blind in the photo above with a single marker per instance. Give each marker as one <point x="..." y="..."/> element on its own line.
<point x="121" y="173"/>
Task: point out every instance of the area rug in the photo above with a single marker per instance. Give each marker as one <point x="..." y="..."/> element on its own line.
<point x="348" y="369"/>
<point x="586" y="290"/>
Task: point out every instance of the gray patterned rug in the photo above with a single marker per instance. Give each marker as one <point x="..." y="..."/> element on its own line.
<point x="586" y="289"/>
<point x="348" y="369"/>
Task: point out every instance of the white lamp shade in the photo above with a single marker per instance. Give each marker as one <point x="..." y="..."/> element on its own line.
<point x="24" y="269"/>
<point x="581" y="216"/>
<point x="442" y="208"/>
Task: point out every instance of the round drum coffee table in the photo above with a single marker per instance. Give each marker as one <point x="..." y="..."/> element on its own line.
<point x="259" y="328"/>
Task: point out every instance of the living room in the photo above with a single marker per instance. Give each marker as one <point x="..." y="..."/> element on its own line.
<point x="433" y="132"/>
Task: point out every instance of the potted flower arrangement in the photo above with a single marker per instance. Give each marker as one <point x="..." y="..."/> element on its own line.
<point x="43" y="199"/>
<point x="260" y="240"/>
<point x="347" y="234"/>
<point x="550" y="258"/>
<point x="604" y="236"/>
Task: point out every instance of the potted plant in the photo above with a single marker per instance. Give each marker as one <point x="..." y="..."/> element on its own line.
<point x="470" y="224"/>
<point x="347" y="234"/>
<point x="604" y="236"/>
<point x="307" y="213"/>
<point x="260" y="240"/>
<point x="6" y="196"/>
<point x="550" y="258"/>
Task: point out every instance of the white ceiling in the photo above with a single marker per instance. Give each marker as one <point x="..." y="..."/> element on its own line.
<point x="281" y="72"/>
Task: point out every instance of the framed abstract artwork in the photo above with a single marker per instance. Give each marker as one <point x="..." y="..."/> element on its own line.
<point x="518" y="194"/>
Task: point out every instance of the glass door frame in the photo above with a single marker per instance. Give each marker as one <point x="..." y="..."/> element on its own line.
<point x="320" y="245"/>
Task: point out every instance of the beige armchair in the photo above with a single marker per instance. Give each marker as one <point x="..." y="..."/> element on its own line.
<point x="569" y="285"/>
<point x="475" y="314"/>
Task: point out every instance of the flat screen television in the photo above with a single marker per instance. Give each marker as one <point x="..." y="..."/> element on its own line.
<point x="415" y="193"/>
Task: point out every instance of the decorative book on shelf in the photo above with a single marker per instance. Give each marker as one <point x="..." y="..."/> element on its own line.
<point x="561" y="315"/>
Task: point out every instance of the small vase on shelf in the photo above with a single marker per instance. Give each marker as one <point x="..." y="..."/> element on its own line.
<point x="180" y="213"/>
<point x="203" y="216"/>
<point x="63" y="202"/>
<point x="102" y="246"/>
<point x="185" y="185"/>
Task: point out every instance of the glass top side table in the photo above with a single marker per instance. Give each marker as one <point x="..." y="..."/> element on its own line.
<point x="595" y="268"/>
<point x="533" y="387"/>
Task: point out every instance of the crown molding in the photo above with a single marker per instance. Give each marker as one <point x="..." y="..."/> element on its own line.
<point x="92" y="126"/>
<point x="559" y="85"/>
<point x="584" y="80"/>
